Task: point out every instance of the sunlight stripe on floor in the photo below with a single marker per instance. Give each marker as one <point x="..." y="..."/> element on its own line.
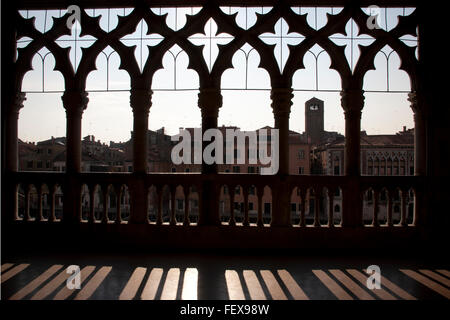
<point x="6" y="266"/>
<point x="427" y="282"/>
<point x="190" y="284"/>
<point x="92" y="285"/>
<point x="381" y="293"/>
<point x="133" y="284"/>
<point x="65" y="292"/>
<point x="436" y="277"/>
<point x="444" y="272"/>
<point x="151" y="287"/>
<point x="254" y="287"/>
<point x="36" y="282"/>
<point x="351" y="285"/>
<point x="294" y="289"/>
<point x="234" y="286"/>
<point x="272" y="285"/>
<point x="170" y="288"/>
<point x="51" y="286"/>
<point x="396" y="289"/>
<point x="11" y="273"/>
<point x="332" y="285"/>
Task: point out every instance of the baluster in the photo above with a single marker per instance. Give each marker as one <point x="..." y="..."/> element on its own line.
<point x="403" y="221"/>
<point x="389" y="208"/>
<point x="376" y="208"/>
<point x="232" y="217"/>
<point x="260" y="193"/>
<point x="27" y="216"/>
<point x="317" y="194"/>
<point x="16" y="203"/>
<point x="302" y="222"/>
<point x="186" y="221"/>
<point x="105" y="204"/>
<point x="173" y="220"/>
<point x="246" y="219"/>
<point x="331" y="207"/>
<point x="52" y="191"/>
<point x="118" y="208"/>
<point x="91" y="218"/>
<point x="417" y="218"/>
<point x="40" y="216"/>
<point x="159" y="220"/>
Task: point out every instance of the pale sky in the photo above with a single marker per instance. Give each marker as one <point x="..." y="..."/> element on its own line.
<point x="109" y="118"/>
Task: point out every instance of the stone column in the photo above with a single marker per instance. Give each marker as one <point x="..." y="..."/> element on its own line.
<point x="420" y="138"/>
<point x="140" y="101"/>
<point x="209" y="102"/>
<point x="75" y="102"/>
<point x="11" y="132"/>
<point x="281" y="106"/>
<point x="420" y="158"/>
<point x="352" y="102"/>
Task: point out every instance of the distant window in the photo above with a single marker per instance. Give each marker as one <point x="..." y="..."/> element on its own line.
<point x="130" y="168"/>
<point x="250" y="206"/>
<point x="396" y="209"/>
<point x="251" y="190"/>
<point x="301" y="170"/>
<point x="293" y="207"/>
<point x="301" y="154"/>
<point x="251" y="169"/>
<point x="39" y="164"/>
<point x="49" y="151"/>
<point x="236" y="169"/>
<point x="29" y="164"/>
<point x="225" y="190"/>
<point x="337" y="208"/>
<point x="186" y="170"/>
<point x="237" y="190"/>
<point x="180" y="204"/>
<point x="411" y="171"/>
<point x="174" y="169"/>
<point x="47" y="164"/>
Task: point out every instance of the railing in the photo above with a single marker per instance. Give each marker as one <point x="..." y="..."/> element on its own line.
<point x="176" y="198"/>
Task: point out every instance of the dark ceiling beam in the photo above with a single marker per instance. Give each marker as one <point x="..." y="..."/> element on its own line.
<point x="62" y="4"/>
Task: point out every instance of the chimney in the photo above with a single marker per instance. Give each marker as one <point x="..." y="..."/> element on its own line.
<point x="404" y="128"/>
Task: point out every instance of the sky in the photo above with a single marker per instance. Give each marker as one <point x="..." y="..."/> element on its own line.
<point x="109" y="118"/>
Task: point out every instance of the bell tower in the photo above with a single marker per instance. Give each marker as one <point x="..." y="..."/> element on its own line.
<point x="314" y="120"/>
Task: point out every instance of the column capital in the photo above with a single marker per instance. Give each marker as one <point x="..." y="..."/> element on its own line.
<point x="75" y="101"/>
<point x="416" y="103"/>
<point x="210" y="101"/>
<point x="141" y="100"/>
<point x="17" y="102"/>
<point x="281" y="100"/>
<point x="352" y="100"/>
